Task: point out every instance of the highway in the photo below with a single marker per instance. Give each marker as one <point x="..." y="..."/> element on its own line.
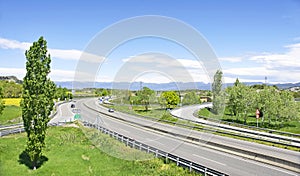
<point x="197" y="152"/>
<point x="64" y="113"/>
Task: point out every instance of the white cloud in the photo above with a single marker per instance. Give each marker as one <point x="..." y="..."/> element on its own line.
<point x="69" y="54"/>
<point x="231" y="59"/>
<point x="278" y="67"/>
<point x="183" y="70"/>
<point x="13" y="44"/>
<point x="55" y="74"/>
<point x="291" y="58"/>
<point x="18" y="72"/>
<point x="247" y="71"/>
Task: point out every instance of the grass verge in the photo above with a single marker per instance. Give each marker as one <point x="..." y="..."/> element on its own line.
<point x="290" y="126"/>
<point x="70" y="152"/>
<point x="11" y="114"/>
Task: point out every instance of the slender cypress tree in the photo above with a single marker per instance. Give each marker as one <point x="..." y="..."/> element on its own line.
<point x="218" y="93"/>
<point x="37" y="103"/>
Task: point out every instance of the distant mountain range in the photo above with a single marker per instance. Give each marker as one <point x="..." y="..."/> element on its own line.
<point x="153" y="86"/>
<point x="159" y="86"/>
<point x="10" y="79"/>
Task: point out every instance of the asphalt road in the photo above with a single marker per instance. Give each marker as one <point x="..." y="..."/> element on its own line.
<point x="64" y="113"/>
<point x="227" y="163"/>
<point x="187" y="112"/>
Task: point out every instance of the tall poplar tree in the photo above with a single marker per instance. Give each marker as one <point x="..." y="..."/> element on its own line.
<point x="1" y="101"/>
<point x="218" y="93"/>
<point x="37" y="103"/>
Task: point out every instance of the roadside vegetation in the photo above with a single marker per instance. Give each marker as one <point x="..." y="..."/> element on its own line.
<point x="70" y="152"/>
<point x="276" y="108"/>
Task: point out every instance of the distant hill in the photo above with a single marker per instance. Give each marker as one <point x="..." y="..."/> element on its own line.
<point x="10" y="78"/>
<point x="137" y="85"/>
<point x="287" y="85"/>
<point x="153" y="86"/>
<point x="159" y="87"/>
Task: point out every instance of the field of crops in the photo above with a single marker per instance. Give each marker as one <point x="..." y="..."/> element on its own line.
<point x="12" y="101"/>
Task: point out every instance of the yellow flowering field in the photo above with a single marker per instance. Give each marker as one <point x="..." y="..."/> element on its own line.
<point x="12" y="101"/>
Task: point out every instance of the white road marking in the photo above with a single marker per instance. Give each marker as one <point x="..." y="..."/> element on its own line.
<point x="209" y="159"/>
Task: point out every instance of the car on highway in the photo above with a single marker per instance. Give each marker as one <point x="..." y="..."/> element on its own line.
<point x="111" y="110"/>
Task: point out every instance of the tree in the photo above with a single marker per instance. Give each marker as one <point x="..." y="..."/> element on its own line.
<point x="145" y="96"/>
<point x="63" y="94"/>
<point x="37" y="103"/>
<point x="218" y="94"/>
<point x="287" y="109"/>
<point x="169" y="98"/>
<point x="104" y="92"/>
<point x="232" y="98"/>
<point x="191" y="98"/>
<point x="1" y="101"/>
<point x="267" y="102"/>
<point x="11" y="89"/>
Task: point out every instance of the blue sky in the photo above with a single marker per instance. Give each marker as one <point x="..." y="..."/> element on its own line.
<point x="252" y="39"/>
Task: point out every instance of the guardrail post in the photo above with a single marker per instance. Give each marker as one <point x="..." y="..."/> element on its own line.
<point x="205" y="170"/>
<point x="166" y="157"/>
<point x="133" y="144"/>
<point x="156" y="153"/>
<point x="177" y="161"/>
<point x="127" y="142"/>
<point x="122" y="138"/>
<point x="148" y="149"/>
<point x="191" y="167"/>
<point x="140" y="146"/>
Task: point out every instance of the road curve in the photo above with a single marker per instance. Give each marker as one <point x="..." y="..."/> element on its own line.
<point x="187" y="113"/>
<point x="229" y="164"/>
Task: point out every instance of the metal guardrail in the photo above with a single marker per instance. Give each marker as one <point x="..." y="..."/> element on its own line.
<point x="10" y="126"/>
<point x="22" y="129"/>
<point x="254" y="127"/>
<point x="192" y="166"/>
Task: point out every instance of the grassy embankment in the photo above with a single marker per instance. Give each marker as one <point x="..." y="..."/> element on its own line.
<point x="290" y="126"/>
<point x="12" y="112"/>
<point x="75" y="151"/>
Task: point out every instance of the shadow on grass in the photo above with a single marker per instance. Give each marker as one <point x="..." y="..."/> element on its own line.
<point x="24" y="158"/>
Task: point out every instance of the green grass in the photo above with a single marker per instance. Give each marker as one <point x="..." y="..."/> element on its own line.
<point x="69" y="151"/>
<point x="290" y="126"/>
<point x="11" y="114"/>
<point x="153" y="111"/>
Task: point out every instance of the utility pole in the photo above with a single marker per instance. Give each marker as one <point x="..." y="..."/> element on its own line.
<point x="141" y="85"/>
<point x="266" y="80"/>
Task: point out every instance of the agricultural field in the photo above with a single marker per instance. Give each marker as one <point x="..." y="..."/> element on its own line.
<point x="12" y="101"/>
<point x="12" y="112"/>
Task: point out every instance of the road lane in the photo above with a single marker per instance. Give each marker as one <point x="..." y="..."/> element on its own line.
<point x="64" y="113"/>
<point x="232" y="165"/>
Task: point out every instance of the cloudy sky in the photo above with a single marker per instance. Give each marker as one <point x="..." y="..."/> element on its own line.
<point x="251" y="39"/>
